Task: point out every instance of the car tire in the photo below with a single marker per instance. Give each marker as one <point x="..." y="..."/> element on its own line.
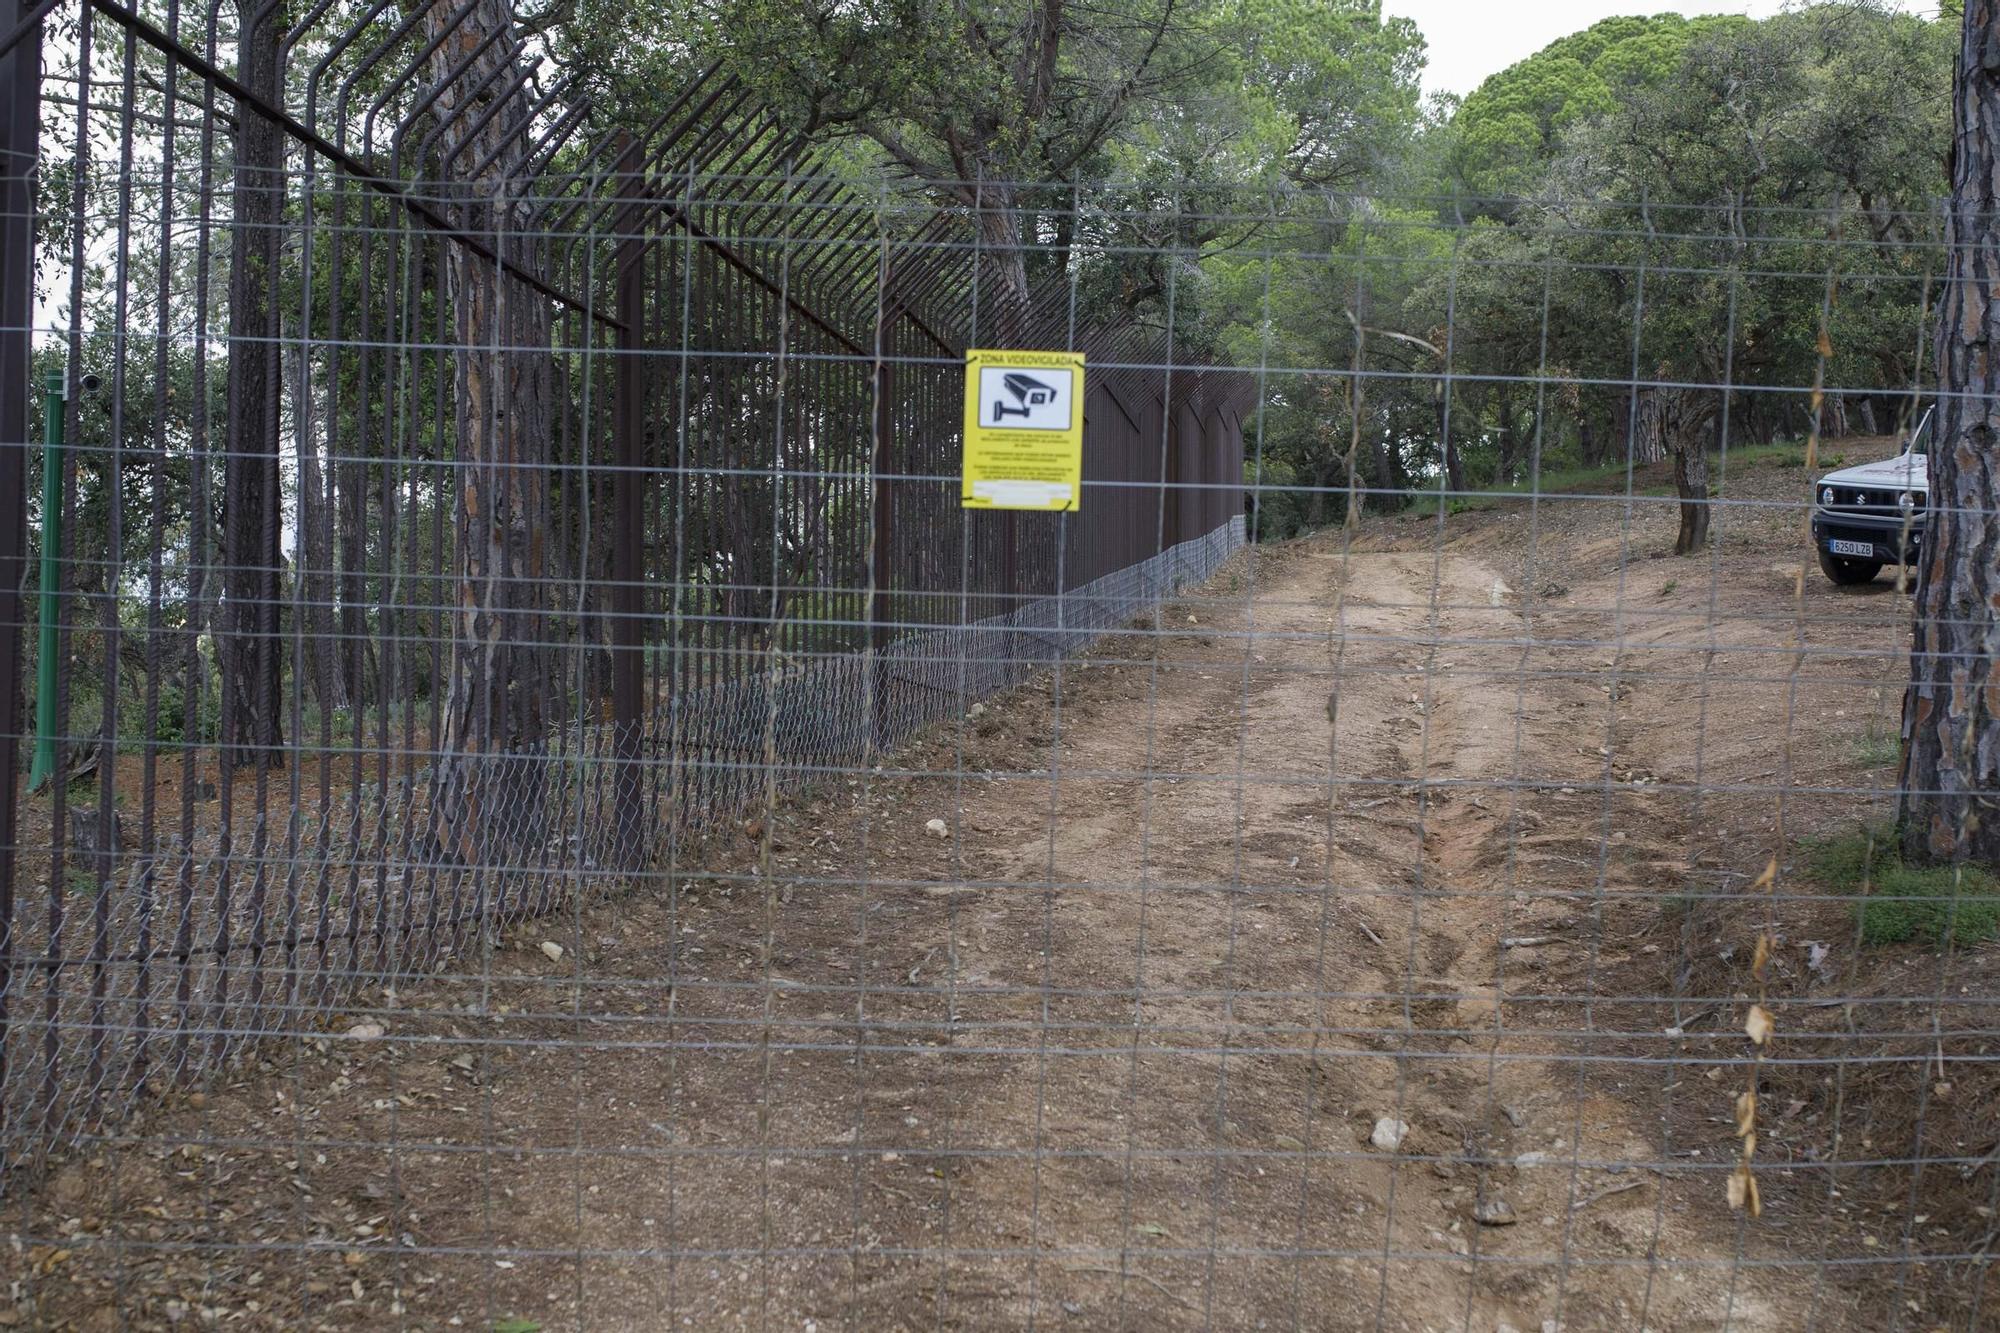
<point x="1846" y="572"/>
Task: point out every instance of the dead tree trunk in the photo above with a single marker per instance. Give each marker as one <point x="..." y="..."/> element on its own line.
<point x="248" y="642"/>
<point x="1951" y="711"/>
<point x="492" y="774"/>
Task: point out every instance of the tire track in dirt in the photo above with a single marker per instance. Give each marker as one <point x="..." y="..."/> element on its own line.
<point x="1215" y="892"/>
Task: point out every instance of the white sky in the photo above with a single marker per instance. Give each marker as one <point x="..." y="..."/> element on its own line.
<point x="1470" y="39"/>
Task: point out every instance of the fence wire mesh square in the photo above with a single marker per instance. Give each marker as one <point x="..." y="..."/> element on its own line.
<point x="556" y="817"/>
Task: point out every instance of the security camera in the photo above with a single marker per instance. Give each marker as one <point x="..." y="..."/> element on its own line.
<point x="92" y="383"/>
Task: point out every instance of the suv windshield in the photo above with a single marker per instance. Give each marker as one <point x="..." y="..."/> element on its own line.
<point x="1920" y="438"/>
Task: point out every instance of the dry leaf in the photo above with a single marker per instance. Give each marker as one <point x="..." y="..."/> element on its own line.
<point x="1746" y="1114"/>
<point x="1769" y="877"/>
<point x="1762" y="956"/>
<point x="1743" y="1190"/>
<point x="1825" y="344"/>
<point x="1759" y="1024"/>
<point x="553" y="950"/>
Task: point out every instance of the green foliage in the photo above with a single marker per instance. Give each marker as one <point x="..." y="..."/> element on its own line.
<point x="1944" y="904"/>
<point x="1515" y="123"/>
<point x="174" y="724"/>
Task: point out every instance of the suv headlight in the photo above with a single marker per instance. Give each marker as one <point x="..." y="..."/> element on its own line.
<point x="1826" y="496"/>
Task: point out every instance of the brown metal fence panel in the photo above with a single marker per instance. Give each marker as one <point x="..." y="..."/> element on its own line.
<point x="469" y="502"/>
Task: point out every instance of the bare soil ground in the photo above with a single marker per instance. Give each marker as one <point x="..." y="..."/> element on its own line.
<point x="1111" y="1052"/>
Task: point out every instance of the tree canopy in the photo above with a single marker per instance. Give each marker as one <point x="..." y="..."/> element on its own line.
<point x="1656" y="198"/>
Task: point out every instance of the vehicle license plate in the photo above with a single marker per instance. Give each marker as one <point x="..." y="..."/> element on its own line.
<point x="1863" y="549"/>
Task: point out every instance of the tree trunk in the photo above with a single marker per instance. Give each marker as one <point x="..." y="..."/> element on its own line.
<point x="1682" y="417"/>
<point x="1510" y="442"/>
<point x="1454" y="470"/>
<point x="249" y="642"/>
<point x="314" y="566"/>
<point x="491" y="774"/>
<point x="1647" y="441"/>
<point x="1002" y="260"/>
<point x="1951" y="712"/>
<point x="1588" y="442"/>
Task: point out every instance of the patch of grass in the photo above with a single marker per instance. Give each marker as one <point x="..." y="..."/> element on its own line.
<point x="1878" y="745"/>
<point x="1937" y="904"/>
<point x="1426" y="505"/>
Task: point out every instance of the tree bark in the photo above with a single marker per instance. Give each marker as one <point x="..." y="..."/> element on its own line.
<point x="492" y="772"/>
<point x="1002" y="260"/>
<point x="1647" y="439"/>
<point x="1951" y="711"/>
<point x="1682" y="417"/>
<point x="248" y="644"/>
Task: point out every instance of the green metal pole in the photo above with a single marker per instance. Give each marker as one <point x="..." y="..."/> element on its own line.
<point x="55" y="390"/>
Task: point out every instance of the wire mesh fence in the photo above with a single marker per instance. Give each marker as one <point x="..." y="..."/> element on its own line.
<point x="550" y="812"/>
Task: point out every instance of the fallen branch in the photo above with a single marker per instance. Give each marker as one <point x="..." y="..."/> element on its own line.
<point x="1618" y="1188"/>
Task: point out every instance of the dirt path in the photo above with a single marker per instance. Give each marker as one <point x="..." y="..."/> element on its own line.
<point x="1109" y="1054"/>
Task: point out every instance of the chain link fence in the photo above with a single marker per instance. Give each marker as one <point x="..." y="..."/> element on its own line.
<point x="541" y="808"/>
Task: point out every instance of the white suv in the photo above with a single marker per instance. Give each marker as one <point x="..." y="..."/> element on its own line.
<point x="1873" y="515"/>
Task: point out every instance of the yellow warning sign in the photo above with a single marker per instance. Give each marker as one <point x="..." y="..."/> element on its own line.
<point x="1023" y="430"/>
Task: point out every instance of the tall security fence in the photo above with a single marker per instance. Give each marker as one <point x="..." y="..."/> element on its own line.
<point x="458" y="500"/>
<point x="535" y="804"/>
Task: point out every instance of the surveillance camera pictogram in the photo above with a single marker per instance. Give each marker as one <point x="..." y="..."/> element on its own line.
<point x="1022" y="401"/>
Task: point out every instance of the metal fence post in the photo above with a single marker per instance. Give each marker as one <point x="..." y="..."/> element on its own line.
<point x="628" y="521"/>
<point x="881" y="608"/>
<point x="20" y="127"/>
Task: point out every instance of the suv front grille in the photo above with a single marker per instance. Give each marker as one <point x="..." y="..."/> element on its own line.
<point x="1871" y="501"/>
